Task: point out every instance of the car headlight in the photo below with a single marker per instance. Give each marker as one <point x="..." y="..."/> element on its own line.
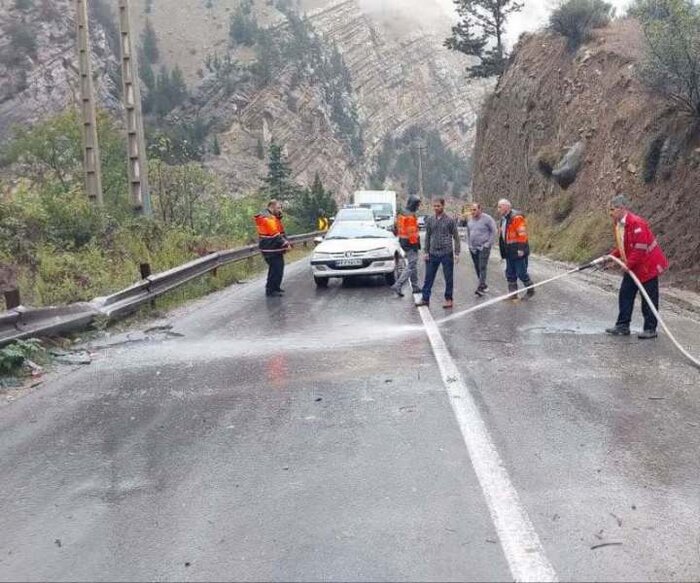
<point x="383" y="252"/>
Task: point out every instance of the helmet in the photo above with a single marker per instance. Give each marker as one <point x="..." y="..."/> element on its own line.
<point x="413" y="203"/>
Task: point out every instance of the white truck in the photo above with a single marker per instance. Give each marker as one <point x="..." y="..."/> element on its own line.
<point x="382" y="203"/>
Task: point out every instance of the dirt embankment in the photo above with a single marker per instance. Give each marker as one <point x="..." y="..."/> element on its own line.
<point x="551" y="100"/>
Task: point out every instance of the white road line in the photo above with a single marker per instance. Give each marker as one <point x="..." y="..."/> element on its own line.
<point x="519" y="541"/>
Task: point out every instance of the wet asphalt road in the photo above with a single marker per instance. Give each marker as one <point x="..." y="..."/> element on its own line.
<point x="311" y="438"/>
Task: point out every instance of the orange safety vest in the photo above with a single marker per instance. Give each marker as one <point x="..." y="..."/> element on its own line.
<point x="516" y="231"/>
<point x="407" y="228"/>
<point x="268" y="226"/>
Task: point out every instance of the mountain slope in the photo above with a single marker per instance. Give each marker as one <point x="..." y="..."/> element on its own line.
<point x="550" y="100"/>
<point x="400" y="77"/>
<point x="38" y="60"/>
<point x="391" y="75"/>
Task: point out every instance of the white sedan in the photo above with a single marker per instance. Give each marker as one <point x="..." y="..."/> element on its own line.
<point x="352" y="250"/>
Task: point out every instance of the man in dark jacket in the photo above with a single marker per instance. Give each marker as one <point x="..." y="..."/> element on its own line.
<point x="408" y="233"/>
<point x="273" y="245"/>
<point x="514" y="246"/>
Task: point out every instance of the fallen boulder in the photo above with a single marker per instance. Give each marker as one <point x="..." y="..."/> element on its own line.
<point x="566" y="171"/>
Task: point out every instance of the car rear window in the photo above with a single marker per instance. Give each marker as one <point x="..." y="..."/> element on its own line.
<point x="355" y="215"/>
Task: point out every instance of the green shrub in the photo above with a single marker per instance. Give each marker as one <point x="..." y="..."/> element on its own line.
<point x="13" y="356"/>
<point x="576" y="19"/>
<point x="671" y="65"/>
<point x="647" y="10"/>
<point x="244" y="28"/>
<point x="562" y="207"/>
<point x="59" y="248"/>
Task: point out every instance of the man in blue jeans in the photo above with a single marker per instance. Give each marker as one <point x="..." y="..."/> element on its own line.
<point x="442" y="247"/>
<point x="514" y="245"/>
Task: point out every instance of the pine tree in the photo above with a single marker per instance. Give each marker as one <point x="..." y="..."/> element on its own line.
<point x="317" y="187"/>
<point x="243" y="27"/>
<point x="147" y="75"/>
<point x="310" y="202"/>
<point x="161" y="96"/>
<point x="178" y="87"/>
<point x="277" y="182"/>
<point x="149" y="43"/>
<point x="480" y="33"/>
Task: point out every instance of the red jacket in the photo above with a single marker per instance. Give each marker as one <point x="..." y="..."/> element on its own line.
<point x="642" y="252"/>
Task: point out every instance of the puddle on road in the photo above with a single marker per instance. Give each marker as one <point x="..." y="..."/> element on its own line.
<point x="315" y="340"/>
<point x="562" y="328"/>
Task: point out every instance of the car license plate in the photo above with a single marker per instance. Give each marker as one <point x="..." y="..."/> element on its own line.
<point x="349" y="262"/>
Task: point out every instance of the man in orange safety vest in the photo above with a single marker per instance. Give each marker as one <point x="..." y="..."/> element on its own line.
<point x="514" y="246"/>
<point x="273" y="245"/>
<point x="408" y="233"/>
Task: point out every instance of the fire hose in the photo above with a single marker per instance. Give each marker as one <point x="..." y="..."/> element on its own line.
<point x="595" y="263"/>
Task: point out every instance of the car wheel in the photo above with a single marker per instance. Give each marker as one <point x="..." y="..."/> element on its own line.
<point x="391" y="278"/>
<point x="321" y="281"/>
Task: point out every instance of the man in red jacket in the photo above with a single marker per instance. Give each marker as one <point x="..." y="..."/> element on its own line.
<point x="638" y="249"/>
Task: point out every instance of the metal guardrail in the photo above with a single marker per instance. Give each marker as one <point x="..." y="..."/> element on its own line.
<point x="21" y="322"/>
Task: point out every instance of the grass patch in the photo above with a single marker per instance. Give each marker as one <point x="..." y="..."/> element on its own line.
<point x="578" y="239"/>
<point x="562" y="206"/>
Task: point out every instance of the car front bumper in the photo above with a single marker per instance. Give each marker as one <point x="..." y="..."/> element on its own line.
<point x="374" y="266"/>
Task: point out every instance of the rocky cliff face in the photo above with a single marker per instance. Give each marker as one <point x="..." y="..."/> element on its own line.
<point x="550" y="101"/>
<point x="401" y="76"/>
<point x="38" y="60"/>
<point x="246" y="122"/>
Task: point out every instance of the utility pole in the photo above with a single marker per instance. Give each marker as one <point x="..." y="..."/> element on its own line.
<point x="91" y="147"/>
<point x="420" y="146"/>
<point x="135" y="142"/>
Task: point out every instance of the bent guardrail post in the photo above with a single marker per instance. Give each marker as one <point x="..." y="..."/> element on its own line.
<point x="23" y="322"/>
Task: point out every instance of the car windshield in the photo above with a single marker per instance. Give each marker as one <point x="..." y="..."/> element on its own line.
<point x="360" y="214"/>
<point x="350" y="231"/>
<point x="381" y="210"/>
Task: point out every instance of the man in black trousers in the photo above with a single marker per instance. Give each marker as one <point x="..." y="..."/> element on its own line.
<point x="273" y="245"/>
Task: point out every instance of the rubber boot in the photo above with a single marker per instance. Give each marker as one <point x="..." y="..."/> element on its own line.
<point x="530" y="292"/>
<point x="512" y="287"/>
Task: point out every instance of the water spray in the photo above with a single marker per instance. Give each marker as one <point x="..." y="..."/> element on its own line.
<point x="595" y="263"/>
